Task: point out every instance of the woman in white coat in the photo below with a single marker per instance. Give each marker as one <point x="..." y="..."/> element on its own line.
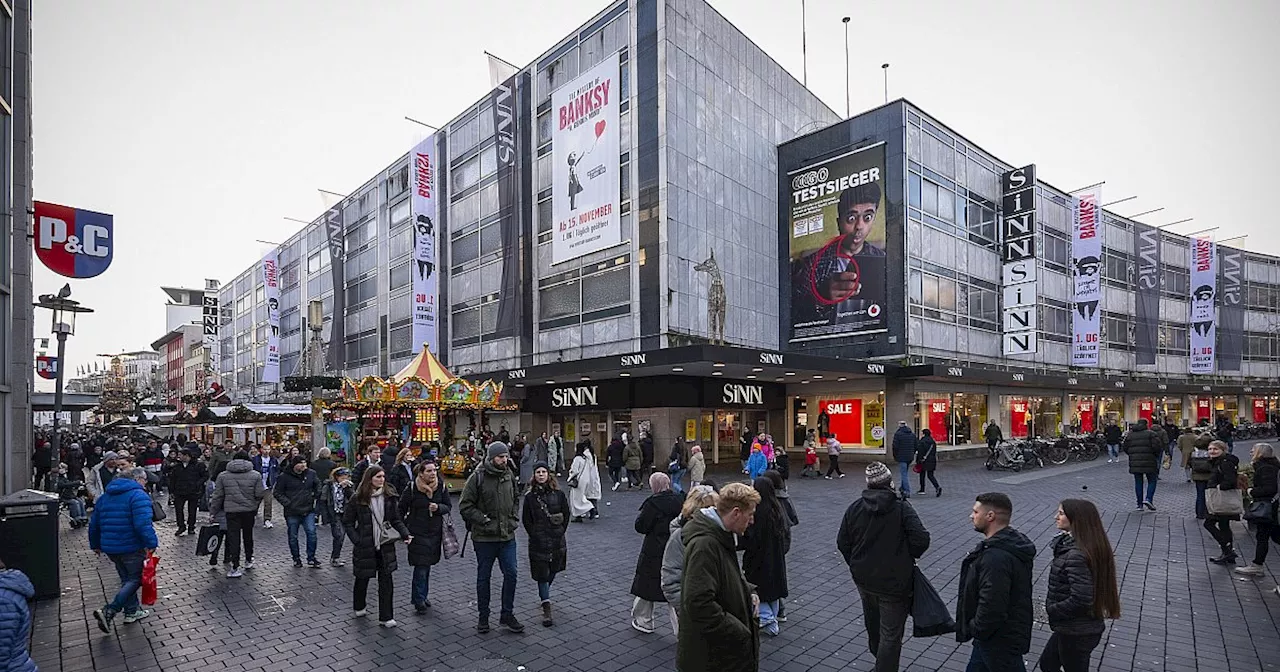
<point x="584" y="484"/>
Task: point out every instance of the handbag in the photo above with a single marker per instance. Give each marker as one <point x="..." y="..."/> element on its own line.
<point x="1261" y="511"/>
<point x="556" y="519"/>
<point x="209" y="541"/>
<point x="389" y="533"/>
<point x="917" y="467"/>
<point x="449" y="543"/>
<point x="929" y="614"/>
<point x="157" y="512"/>
<point x="150" y="590"/>
<point x="1224" y="502"/>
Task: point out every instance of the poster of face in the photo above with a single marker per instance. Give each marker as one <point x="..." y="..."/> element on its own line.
<point x="1086" y="275"/>
<point x="585" y="163"/>
<point x="271" y="282"/>
<point x="1204" y="314"/>
<point x="837" y="245"/>
<point x="426" y="282"/>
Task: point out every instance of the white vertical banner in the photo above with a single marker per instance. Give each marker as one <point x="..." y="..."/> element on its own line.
<point x="1086" y="274"/>
<point x="1204" y="294"/>
<point x="271" y="282"/>
<point x="426" y="282"/>
<point x="585" y="153"/>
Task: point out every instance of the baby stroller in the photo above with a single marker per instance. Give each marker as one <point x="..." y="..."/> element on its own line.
<point x="71" y="498"/>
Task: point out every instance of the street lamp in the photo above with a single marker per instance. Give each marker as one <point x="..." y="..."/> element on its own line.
<point x="64" y="311"/>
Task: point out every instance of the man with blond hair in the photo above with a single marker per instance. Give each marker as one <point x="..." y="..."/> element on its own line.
<point x="719" y="615"/>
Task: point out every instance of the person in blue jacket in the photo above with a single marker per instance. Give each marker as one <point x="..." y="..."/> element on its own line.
<point x="15" y="620"/>
<point x="121" y="527"/>
<point x="756" y="464"/>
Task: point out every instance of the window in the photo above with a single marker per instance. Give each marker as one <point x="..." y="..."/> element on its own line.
<point x="363" y="347"/>
<point x="544" y="216"/>
<point x="984" y="308"/>
<point x="313" y="263"/>
<point x="1176" y="282"/>
<point x="1055" y="321"/>
<point x="981" y="220"/>
<point x="400" y="212"/>
<point x="465" y="212"/>
<point x="1054" y="250"/>
<point x="401" y="243"/>
<point x="1116" y="331"/>
<point x="260" y="294"/>
<point x="400" y="275"/>
<point x="466" y="324"/>
<point x="605" y="290"/>
<point x="466" y="175"/>
<point x="361" y="235"/>
<point x="1117" y="267"/>
<point x="397" y="182"/>
<point x="1173" y="339"/>
<point x="559" y="301"/>
<point x="464" y="250"/>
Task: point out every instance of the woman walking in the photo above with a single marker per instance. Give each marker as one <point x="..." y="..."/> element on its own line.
<point x="764" y="561"/>
<point x="633" y="458"/>
<point x="654" y="522"/>
<point x="697" y="466"/>
<point x="1082" y="588"/>
<point x="423" y="508"/>
<point x="545" y="516"/>
<point x="700" y="497"/>
<point x="927" y="461"/>
<point x="372" y="521"/>
<point x="614" y="461"/>
<point x="1266" y="472"/>
<point x="400" y="475"/>
<point x="1223" y="500"/>
<point x="584" y="484"/>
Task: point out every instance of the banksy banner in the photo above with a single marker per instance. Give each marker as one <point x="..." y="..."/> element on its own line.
<point x="1204" y="294"/>
<point x="1086" y="274"/>
<point x="271" y="283"/>
<point x="426" y="281"/>
<point x="585" y="159"/>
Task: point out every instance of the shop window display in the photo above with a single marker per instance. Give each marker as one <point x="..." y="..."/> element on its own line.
<point x="1031" y="416"/>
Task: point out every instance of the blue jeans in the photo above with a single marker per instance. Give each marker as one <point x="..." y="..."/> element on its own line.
<point x="421" y="584"/>
<point x="769" y="617"/>
<point x="1113" y="450"/>
<point x="989" y="659"/>
<point x="129" y="567"/>
<point x="308" y="523"/>
<point x="676" y="475"/>
<point x="544" y="589"/>
<point x="1151" y="487"/>
<point x="339" y="533"/>
<point x="505" y="553"/>
<point x="904" y="471"/>
<point x="1201" y="509"/>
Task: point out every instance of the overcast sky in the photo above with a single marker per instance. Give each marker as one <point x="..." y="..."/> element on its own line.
<point x="201" y="125"/>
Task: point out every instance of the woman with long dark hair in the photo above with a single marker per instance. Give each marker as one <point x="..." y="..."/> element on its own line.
<point x="764" y="562"/>
<point x="423" y="506"/>
<point x="545" y="516"/>
<point x="1082" y="588"/>
<point x="372" y="521"/>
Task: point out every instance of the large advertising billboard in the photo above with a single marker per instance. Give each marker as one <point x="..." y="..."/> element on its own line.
<point x="1204" y="314"/>
<point x="1086" y="274"/>
<point x="426" y="281"/>
<point x="271" y="281"/>
<point x="585" y="157"/>
<point x="837" y="245"/>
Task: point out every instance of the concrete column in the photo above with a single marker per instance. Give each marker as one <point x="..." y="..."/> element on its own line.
<point x="899" y="404"/>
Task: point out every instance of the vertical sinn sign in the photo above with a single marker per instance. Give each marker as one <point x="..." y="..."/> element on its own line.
<point x="1018" y="261"/>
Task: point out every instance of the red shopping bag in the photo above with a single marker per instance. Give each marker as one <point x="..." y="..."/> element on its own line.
<point x="149" y="588"/>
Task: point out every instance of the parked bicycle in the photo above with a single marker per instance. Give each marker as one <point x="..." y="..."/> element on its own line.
<point x="1015" y="455"/>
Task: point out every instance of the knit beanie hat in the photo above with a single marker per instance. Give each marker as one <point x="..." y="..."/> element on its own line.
<point x="497" y="448"/>
<point x="878" y="475"/>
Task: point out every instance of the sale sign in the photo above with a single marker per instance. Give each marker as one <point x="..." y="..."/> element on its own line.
<point x="1019" y="417"/>
<point x="937" y="411"/>
<point x="1259" y="410"/>
<point x="1085" y="408"/>
<point x="1145" y="409"/>
<point x="1204" y="408"/>
<point x="846" y="419"/>
<point x="873" y="424"/>
<point x="73" y="242"/>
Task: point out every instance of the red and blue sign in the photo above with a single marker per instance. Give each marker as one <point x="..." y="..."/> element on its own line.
<point x="47" y="367"/>
<point x="73" y="242"/>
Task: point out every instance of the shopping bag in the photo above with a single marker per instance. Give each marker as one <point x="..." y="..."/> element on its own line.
<point x="1226" y="503"/>
<point x="157" y="511"/>
<point x="209" y="541"/>
<point x="929" y="615"/>
<point x="449" y="544"/>
<point x="149" y="589"/>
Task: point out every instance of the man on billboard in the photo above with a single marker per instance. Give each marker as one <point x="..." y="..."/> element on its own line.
<point x="1203" y="295"/>
<point x="829" y="282"/>
<point x="1087" y="281"/>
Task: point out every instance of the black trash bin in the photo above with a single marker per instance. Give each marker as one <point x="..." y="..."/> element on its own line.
<point x="29" y="539"/>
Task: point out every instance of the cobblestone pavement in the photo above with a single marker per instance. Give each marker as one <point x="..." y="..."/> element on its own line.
<point x="1181" y="614"/>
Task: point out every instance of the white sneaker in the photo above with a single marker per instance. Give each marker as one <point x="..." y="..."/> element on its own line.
<point x="235" y="574"/>
<point x="137" y="616"/>
<point x="1251" y="569"/>
<point x="268" y="524"/>
<point x="248" y="564"/>
<point x="841" y="475"/>
<point x="615" y="487"/>
<point x="362" y="613"/>
<point x="388" y="624"/>
<point x="1110" y="460"/>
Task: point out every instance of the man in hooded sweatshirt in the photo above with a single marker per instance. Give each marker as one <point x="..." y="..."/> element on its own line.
<point x="489" y="505"/>
<point x="994" y="605"/>
<point x="880" y="539"/>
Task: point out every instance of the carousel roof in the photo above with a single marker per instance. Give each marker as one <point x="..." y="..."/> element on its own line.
<point x="426" y="367"/>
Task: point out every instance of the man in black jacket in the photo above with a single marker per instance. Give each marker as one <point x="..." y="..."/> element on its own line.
<point x="296" y="489"/>
<point x="186" y="483"/>
<point x="994" y="605"/>
<point x="1145" y="449"/>
<point x="1112" y="435"/>
<point x="880" y="539"/>
<point x="904" y="452"/>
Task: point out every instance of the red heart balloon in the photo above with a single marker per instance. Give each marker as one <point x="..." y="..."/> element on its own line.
<point x="599" y="128"/>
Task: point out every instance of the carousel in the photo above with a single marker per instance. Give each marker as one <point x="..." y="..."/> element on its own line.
<point x="417" y="408"/>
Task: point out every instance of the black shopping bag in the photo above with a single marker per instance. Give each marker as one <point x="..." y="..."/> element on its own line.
<point x="929" y="614"/>
<point x="209" y="540"/>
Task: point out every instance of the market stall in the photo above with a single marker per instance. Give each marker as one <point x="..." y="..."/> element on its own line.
<point x="420" y="407"/>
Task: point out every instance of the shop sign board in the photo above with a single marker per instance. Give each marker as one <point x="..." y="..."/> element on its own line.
<point x="1018" y="256"/>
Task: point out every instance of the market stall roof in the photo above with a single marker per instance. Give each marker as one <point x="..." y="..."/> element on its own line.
<point x="426" y="367"/>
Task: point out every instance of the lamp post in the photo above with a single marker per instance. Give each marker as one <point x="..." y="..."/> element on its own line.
<point x="846" y="20"/>
<point x="64" y="311"/>
<point x="315" y="369"/>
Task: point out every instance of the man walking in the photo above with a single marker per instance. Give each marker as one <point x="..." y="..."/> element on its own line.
<point x="236" y="493"/>
<point x="121" y="527"/>
<point x="1145" y="449"/>
<point x="297" y="489"/>
<point x="719" y="615"/>
<point x="679" y="464"/>
<point x="221" y="458"/>
<point x="993" y="608"/>
<point x="267" y="464"/>
<point x="1112" y="434"/>
<point x="880" y="539"/>
<point x="904" y="452"/>
<point x="186" y="483"/>
<point x="555" y="453"/>
<point x="488" y="505"/>
<point x="993" y="435"/>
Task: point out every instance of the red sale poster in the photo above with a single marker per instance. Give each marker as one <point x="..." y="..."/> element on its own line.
<point x="1085" y="408"/>
<point x="1019" y="415"/>
<point x="846" y="419"/>
<point x="937" y="410"/>
<point x="1204" y="408"/>
<point x="1259" y="410"/>
<point x="1144" y="409"/>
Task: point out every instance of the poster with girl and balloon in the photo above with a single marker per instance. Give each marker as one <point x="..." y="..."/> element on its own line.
<point x="585" y="160"/>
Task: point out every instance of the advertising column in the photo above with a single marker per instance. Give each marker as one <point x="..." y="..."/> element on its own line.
<point x="585" y="163"/>
<point x="1018" y="257"/>
<point x="271" y="282"/>
<point x="426" y="282"/>
<point x="837" y="246"/>
<point x="1204" y="291"/>
<point x="1086" y="272"/>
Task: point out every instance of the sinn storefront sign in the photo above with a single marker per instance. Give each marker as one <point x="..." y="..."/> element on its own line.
<point x="1018" y="256"/>
<point x="576" y="397"/>
<point x="735" y="394"/>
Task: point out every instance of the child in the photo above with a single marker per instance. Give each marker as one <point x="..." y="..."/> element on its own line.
<point x="756" y="464"/>
<point x="810" y="457"/>
<point x="342" y="489"/>
<point x="697" y="466"/>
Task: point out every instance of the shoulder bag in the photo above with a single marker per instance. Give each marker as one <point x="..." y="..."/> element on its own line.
<point x="157" y="511"/>
<point x="1224" y="502"/>
<point x="1262" y="511"/>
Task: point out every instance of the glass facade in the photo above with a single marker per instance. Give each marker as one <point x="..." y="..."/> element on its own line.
<point x="954" y="419"/>
<point x="1030" y="416"/>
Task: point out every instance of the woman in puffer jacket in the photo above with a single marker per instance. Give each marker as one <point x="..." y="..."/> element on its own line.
<point x="700" y="497"/>
<point x="1082" y="588"/>
<point x="1266" y="473"/>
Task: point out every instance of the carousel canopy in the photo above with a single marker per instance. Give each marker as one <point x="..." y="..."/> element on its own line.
<point x="423" y="382"/>
<point x="425" y="367"/>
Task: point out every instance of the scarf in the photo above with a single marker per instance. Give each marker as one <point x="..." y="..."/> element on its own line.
<point x="339" y="498"/>
<point x="421" y="483"/>
<point x="376" y="508"/>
